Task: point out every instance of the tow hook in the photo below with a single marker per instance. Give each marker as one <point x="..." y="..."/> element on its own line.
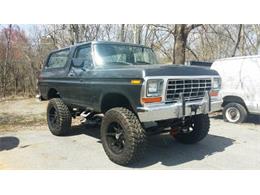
<point x="194" y="108"/>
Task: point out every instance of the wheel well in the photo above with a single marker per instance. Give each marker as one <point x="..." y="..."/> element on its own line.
<point x="235" y="99"/>
<point x="114" y="100"/>
<point x="53" y="93"/>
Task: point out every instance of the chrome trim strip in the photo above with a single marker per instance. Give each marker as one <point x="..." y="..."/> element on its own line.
<point x="166" y="111"/>
<point x="166" y="78"/>
<point x="195" y="90"/>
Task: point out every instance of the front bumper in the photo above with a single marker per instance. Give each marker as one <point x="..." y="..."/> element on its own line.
<point x="179" y="109"/>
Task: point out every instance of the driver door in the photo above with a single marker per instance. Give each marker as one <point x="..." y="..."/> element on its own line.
<point x="79" y="76"/>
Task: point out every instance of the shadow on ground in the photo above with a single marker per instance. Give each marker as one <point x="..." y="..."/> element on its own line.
<point x="8" y="143"/>
<point x="255" y="119"/>
<point x="89" y="130"/>
<point x="164" y="149"/>
<point x="169" y="152"/>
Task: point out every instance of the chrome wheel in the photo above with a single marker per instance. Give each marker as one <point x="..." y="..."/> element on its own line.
<point x="232" y="114"/>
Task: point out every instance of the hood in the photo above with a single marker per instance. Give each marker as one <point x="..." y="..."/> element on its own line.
<point x="177" y="70"/>
<point x="139" y="71"/>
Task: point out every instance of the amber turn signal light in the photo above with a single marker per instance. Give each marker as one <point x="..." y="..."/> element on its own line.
<point x="135" y="82"/>
<point x="213" y="93"/>
<point x="151" y="99"/>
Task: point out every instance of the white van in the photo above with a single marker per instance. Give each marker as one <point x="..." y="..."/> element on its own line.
<point x="240" y="86"/>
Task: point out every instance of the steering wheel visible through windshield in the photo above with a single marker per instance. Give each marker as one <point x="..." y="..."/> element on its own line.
<point x="117" y="54"/>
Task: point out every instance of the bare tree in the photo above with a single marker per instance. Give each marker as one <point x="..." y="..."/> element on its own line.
<point x="181" y="33"/>
<point x="238" y="40"/>
<point x="137" y="31"/>
<point x="23" y="55"/>
<point x="8" y="33"/>
<point x="122" y="33"/>
<point x="256" y="28"/>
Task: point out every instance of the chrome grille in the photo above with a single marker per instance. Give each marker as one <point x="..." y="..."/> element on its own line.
<point x="192" y="89"/>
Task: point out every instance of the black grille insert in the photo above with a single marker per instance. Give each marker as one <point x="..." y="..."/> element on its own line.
<point x="193" y="89"/>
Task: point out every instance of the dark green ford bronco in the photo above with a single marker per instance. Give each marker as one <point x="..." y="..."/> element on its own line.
<point x="133" y="96"/>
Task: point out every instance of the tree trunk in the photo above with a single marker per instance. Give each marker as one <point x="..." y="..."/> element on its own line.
<point x="15" y="86"/>
<point x="238" y="40"/>
<point x="146" y="34"/>
<point x="181" y="33"/>
<point x="243" y="41"/>
<point x="258" y="43"/>
<point x="180" y="40"/>
<point x="137" y="33"/>
<point x="122" y="33"/>
<point x="7" y="53"/>
<point x="75" y="33"/>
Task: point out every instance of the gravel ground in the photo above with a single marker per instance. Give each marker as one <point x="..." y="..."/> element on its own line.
<point x="32" y="146"/>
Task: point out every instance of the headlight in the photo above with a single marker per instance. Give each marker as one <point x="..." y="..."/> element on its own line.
<point x="154" y="87"/>
<point x="216" y="83"/>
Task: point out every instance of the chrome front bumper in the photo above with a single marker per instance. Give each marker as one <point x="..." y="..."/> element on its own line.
<point x="157" y="112"/>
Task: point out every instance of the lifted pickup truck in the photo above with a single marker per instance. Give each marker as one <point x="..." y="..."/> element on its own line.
<point x="134" y="96"/>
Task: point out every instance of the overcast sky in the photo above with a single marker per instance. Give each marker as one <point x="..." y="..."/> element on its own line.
<point x="26" y="27"/>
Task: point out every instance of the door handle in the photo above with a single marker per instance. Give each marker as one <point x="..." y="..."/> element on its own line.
<point x="71" y="74"/>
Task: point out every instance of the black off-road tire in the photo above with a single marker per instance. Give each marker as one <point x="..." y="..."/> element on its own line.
<point x="63" y="125"/>
<point x="200" y="130"/>
<point x="134" y="135"/>
<point x="238" y="107"/>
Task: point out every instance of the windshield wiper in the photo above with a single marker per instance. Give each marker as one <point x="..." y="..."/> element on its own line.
<point x="142" y="62"/>
<point x="121" y="63"/>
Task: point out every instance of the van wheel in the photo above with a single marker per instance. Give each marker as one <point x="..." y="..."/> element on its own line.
<point x="234" y="113"/>
<point x="122" y="136"/>
<point x="58" y="117"/>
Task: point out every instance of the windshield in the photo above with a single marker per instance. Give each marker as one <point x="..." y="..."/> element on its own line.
<point x="115" y="54"/>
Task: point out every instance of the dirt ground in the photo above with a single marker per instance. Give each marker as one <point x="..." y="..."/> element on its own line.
<point x="26" y="143"/>
<point x="17" y="114"/>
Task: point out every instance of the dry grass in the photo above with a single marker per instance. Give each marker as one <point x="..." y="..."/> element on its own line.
<point x="10" y="119"/>
<point x="21" y="113"/>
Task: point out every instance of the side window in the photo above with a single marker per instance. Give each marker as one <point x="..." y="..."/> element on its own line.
<point x="85" y="54"/>
<point x="58" y="59"/>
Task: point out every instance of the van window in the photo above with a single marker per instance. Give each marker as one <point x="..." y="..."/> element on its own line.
<point x="58" y="59"/>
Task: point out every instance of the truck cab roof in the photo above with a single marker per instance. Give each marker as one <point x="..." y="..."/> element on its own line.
<point x="98" y="42"/>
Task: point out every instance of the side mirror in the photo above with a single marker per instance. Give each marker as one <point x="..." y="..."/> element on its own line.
<point x="77" y="62"/>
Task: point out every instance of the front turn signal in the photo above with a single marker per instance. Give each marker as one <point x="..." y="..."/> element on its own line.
<point x="213" y="93"/>
<point x="151" y="99"/>
<point x="135" y="82"/>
